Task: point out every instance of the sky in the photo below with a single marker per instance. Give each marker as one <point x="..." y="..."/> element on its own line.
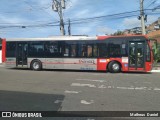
<point x="39" y="20"/>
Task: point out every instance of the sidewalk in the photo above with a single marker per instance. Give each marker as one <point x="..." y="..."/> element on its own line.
<point x="2" y="64"/>
<point x="156" y="67"/>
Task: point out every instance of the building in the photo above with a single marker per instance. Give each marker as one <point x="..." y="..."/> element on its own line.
<point x="136" y="30"/>
<point x="153" y="30"/>
<point x="154" y="26"/>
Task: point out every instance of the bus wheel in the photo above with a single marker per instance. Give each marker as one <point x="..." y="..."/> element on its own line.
<point x="36" y="65"/>
<point x="114" y="67"/>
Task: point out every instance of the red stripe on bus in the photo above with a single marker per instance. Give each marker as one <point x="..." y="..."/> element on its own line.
<point x="63" y="63"/>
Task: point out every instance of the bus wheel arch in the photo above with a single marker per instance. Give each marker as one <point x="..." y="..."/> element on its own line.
<point x="36" y="65"/>
<point x="114" y="66"/>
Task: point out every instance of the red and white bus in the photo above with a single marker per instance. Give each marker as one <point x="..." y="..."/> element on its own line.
<point x="104" y="53"/>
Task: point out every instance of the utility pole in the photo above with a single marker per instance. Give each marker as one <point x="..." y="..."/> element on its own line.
<point x="142" y="17"/>
<point x="69" y="27"/>
<point x="57" y="6"/>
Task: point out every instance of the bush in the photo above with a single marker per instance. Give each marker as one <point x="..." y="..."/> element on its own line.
<point x="156" y="52"/>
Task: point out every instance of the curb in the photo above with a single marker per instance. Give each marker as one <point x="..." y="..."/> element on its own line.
<point x="155" y="71"/>
<point x="2" y="65"/>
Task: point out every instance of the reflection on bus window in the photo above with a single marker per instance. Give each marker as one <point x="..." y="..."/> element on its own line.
<point x="148" y="55"/>
<point x="11" y="49"/>
<point x="95" y="51"/>
<point x="36" y="49"/>
<point x="73" y="50"/>
<point x="102" y="47"/>
<point x="115" y="50"/>
<point x="89" y="50"/>
<point x="132" y="54"/>
<point x="66" y="50"/>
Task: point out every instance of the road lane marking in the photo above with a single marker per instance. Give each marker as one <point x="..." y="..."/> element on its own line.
<point x="115" y="87"/>
<point x="92" y="80"/>
<point x="58" y="101"/>
<point x="83" y="85"/>
<point x="156" y="88"/>
<point x="87" y="102"/>
<point x="67" y="91"/>
<point x="102" y="86"/>
<point x="122" y="88"/>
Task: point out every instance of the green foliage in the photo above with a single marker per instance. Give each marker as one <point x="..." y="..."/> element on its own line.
<point x="118" y="33"/>
<point x="156" y="52"/>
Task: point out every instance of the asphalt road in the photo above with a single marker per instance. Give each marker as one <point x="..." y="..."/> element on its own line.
<point x="26" y="90"/>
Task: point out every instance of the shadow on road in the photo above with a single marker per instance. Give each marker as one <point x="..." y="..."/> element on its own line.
<point x="85" y="71"/>
<point x="23" y="101"/>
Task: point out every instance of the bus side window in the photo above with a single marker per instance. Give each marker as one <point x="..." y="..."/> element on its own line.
<point x="11" y="49"/>
<point x="36" y="49"/>
<point x="84" y="51"/>
<point x="89" y="51"/>
<point x="124" y="50"/>
<point x="66" y="50"/>
<point x="73" y="51"/>
<point x="95" y="51"/>
<point x="102" y="50"/>
<point x="114" y="50"/>
<point x="148" y="55"/>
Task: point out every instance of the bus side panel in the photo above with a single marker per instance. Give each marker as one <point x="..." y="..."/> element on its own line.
<point x="66" y="63"/>
<point x="80" y="63"/>
<point x="54" y="63"/>
<point x="148" y="66"/>
<point x="11" y="62"/>
<point x="102" y="63"/>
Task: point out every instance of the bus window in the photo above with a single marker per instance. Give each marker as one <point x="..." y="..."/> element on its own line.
<point x="95" y="51"/>
<point x="54" y="49"/>
<point x="124" y="50"/>
<point x="36" y="49"/>
<point x="148" y="55"/>
<point x="11" y="49"/>
<point x="102" y="50"/>
<point x="66" y="50"/>
<point x="84" y="50"/>
<point x="89" y="51"/>
<point x="115" y="50"/>
<point x="73" y="50"/>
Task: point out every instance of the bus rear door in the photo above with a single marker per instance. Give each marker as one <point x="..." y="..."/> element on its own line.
<point x="136" y="56"/>
<point x="21" y="56"/>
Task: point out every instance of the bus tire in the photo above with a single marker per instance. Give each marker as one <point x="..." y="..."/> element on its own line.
<point x="36" y="65"/>
<point x="114" y="67"/>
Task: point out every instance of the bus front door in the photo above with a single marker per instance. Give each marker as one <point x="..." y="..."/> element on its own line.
<point x="136" y="56"/>
<point x="22" y="50"/>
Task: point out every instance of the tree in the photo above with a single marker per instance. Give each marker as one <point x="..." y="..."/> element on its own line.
<point x="118" y="33"/>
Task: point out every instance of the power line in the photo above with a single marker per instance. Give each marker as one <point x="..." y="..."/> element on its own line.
<point x="85" y="20"/>
<point x="152" y="3"/>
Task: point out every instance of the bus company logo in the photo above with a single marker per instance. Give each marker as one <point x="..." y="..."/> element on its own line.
<point x="83" y="61"/>
<point x="6" y="114"/>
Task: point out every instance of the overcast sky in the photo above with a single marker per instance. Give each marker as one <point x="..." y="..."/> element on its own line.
<point x="38" y="14"/>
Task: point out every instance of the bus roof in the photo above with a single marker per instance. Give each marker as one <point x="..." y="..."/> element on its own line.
<point x="53" y="38"/>
<point x="63" y="38"/>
